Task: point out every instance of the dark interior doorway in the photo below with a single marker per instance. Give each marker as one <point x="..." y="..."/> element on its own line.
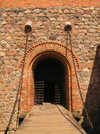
<point x="49" y="91"/>
<point x="49" y="80"/>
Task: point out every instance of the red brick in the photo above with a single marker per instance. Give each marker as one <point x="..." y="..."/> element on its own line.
<point x="87" y="12"/>
<point x="3" y="72"/>
<point x="1" y="122"/>
<point x="37" y="3"/>
<point x="99" y="12"/>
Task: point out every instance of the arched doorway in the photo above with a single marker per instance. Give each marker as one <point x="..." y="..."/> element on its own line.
<point x="49" y="80"/>
<point x="61" y="56"/>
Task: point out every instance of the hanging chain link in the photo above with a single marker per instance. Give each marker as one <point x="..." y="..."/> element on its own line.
<point x="19" y="89"/>
<point x="88" y="118"/>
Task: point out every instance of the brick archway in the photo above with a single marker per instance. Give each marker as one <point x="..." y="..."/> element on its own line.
<point x="53" y="46"/>
<point x="56" y="50"/>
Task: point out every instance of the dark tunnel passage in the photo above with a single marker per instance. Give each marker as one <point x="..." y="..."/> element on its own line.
<point x="49" y="80"/>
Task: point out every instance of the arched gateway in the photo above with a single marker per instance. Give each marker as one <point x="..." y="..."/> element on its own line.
<point x="49" y="76"/>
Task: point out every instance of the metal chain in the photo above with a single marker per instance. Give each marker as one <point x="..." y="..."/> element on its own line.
<point x="88" y="118"/>
<point x="69" y="119"/>
<point x="19" y="88"/>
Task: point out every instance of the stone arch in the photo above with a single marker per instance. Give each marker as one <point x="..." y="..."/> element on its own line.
<point x="39" y="51"/>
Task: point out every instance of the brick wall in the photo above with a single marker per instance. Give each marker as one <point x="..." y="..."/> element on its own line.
<point x="48" y="35"/>
<point x="45" y="3"/>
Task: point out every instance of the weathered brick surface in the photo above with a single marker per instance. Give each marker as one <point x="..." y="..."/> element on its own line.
<point x="45" y="3"/>
<point x="48" y="26"/>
